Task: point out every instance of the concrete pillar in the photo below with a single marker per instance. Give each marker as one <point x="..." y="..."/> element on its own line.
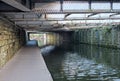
<point x="79" y="36"/>
<point x="91" y="36"/>
<point x="100" y="37"/>
<point x="113" y="35"/>
<point x="118" y="45"/>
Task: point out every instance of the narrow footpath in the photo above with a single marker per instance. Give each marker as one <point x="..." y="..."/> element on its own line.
<point x="27" y="65"/>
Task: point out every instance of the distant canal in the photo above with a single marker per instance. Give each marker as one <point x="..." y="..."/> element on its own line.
<point x="82" y="63"/>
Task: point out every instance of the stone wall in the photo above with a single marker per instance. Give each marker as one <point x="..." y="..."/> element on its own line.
<point x="108" y="36"/>
<point x="11" y="39"/>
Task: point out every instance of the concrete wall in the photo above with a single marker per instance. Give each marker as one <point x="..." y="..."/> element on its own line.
<point x="50" y="38"/>
<point x="11" y="39"/>
<point x="26" y="3"/>
<point x="108" y="36"/>
<point x="58" y="38"/>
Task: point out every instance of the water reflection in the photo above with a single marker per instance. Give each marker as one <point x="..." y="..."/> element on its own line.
<point x="84" y="63"/>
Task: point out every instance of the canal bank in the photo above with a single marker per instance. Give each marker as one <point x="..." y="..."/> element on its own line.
<point x="27" y="65"/>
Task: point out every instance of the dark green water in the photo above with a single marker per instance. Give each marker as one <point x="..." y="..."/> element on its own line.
<point x="82" y="63"/>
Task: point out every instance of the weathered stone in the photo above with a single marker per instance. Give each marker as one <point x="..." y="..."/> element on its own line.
<point x="108" y="36"/>
<point x="10" y="40"/>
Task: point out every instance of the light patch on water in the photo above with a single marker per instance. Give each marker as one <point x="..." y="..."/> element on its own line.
<point x="77" y="67"/>
<point x="46" y="50"/>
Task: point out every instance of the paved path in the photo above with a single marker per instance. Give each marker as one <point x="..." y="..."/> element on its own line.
<point x="27" y="65"/>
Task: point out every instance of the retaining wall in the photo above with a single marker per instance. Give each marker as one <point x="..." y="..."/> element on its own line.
<point x="11" y="39"/>
<point x="108" y="36"/>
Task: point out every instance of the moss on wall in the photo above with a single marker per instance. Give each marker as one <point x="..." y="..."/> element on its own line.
<point x="11" y="39"/>
<point x="108" y="36"/>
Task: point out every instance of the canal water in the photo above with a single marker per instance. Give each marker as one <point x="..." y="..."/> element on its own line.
<point x="82" y="62"/>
